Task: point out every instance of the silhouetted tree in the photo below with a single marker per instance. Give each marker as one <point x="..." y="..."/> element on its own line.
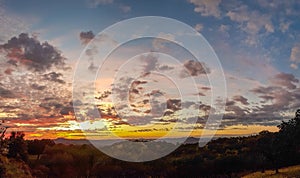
<point x="37" y="147"/>
<point x="3" y="143"/>
<point x="269" y="146"/>
<point x="288" y="137"/>
<point x="17" y="147"/>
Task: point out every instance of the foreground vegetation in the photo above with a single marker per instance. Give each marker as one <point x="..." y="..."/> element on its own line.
<point x="292" y="171"/>
<point x="224" y="157"/>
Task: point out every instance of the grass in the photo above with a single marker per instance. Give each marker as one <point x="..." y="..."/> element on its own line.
<point x="292" y="171"/>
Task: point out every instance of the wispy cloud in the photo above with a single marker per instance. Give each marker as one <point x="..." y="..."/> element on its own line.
<point x="207" y="7"/>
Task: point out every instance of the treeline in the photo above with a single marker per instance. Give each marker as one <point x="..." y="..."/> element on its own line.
<point x="224" y="157"/>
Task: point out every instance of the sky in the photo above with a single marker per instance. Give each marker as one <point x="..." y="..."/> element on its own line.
<point x="148" y="87"/>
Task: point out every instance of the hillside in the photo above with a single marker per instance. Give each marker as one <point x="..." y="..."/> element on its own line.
<point x="292" y="171"/>
<point x="11" y="168"/>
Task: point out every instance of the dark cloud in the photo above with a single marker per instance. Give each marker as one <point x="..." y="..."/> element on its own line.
<point x="134" y="88"/>
<point x="263" y="90"/>
<point x="236" y="110"/>
<point x="66" y="110"/>
<point x="205" y="108"/>
<point x="86" y="37"/>
<point x="230" y="103"/>
<point x="28" y="51"/>
<point x="51" y="105"/>
<point x="205" y="88"/>
<point x="241" y="99"/>
<point x="138" y="82"/>
<point x="281" y="96"/>
<point x="103" y="95"/>
<point x="285" y="80"/>
<point x="4" y="93"/>
<point x="37" y="87"/>
<point x="168" y="112"/>
<point x="172" y="120"/>
<point x="275" y="100"/>
<point x="54" y="77"/>
<point x="194" y="68"/>
<point x="174" y="104"/>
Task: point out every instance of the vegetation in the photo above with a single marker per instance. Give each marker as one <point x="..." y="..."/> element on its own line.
<point x="292" y="171"/>
<point x="17" y="147"/>
<point x="224" y="157"/>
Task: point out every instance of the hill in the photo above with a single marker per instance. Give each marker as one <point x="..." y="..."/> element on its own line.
<point x="11" y="168"/>
<point x="292" y="171"/>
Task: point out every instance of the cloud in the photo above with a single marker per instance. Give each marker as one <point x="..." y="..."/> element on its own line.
<point x="199" y="27"/>
<point x="96" y="3"/>
<point x="207" y="7"/>
<point x="194" y="68"/>
<point x="200" y="94"/>
<point x="224" y="28"/>
<point x="237" y="111"/>
<point x="54" y="77"/>
<point x="205" y="88"/>
<point x="162" y="39"/>
<point x="274" y="101"/>
<point x="280" y="97"/>
<point x="282" y="7"/>
<point x="284" y="26"/>
<point x="150" y="61"/>
<point x="51" y="105"/>
<point x="86" y="37"/>
<point x="241" y="99"/>
<point x="8" y="71"/>
<point x="295" y="56"/>
<point x="4" y="93"/>
<point x="284" y="80"/>
<point x="36" y="56"/>
<point x="125" y="8"/>
<point x="294" y="66"/>
<point x="165" y="67"/>
<point x="66" y="110"/>
<point x="206" y="109"/>
<point x="252" y="22"/>
<point x="95" y="46"/>
<point x="37" y="87"/>
<point x="174" y="104"/>
<point x="92" y="67"/>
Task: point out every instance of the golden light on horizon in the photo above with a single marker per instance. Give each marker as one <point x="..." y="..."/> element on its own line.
<point x="127" y="132"/>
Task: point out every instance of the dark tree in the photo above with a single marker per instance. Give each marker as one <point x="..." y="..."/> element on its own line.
<point x="288" y="136"/>
<point x="37" y="147"/>
<point x="3" y="143"/>
<point x="270" y="147"/>
<point x="17" y="147"/>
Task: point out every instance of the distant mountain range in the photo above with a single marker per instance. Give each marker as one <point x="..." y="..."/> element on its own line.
<point x="107" y="142"/>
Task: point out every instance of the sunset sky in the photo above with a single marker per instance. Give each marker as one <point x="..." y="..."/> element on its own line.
<point x="44" y="44"/>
